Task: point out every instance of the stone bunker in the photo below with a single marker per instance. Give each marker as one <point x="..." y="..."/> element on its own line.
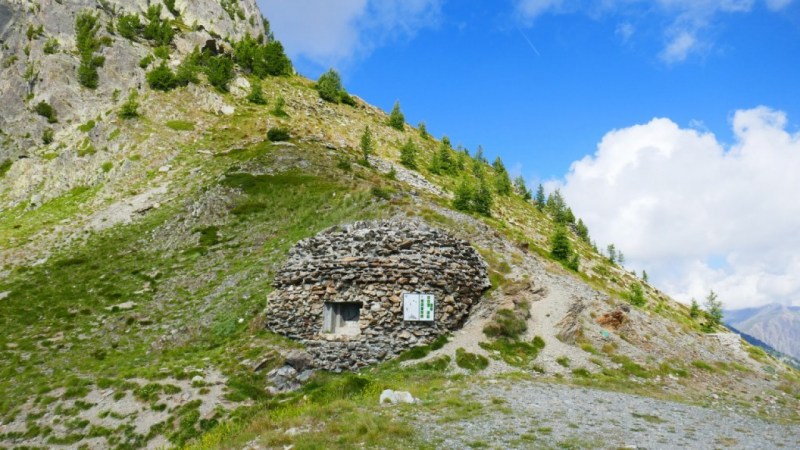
<point x="361" y="293"/>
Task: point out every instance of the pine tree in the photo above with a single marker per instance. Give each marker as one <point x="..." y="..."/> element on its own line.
<point x="620" y="258"/>
<point x="256" y="95"/>
<point x="635" y="295"/>
<point x="463" y="199"/>
<point x="502" y="182"/>
<point x="367" y="146"/>
<point x="423" y="130"/>
<point x="713" y="308"/>
<point x="130" y="109"/>
<point x="612" y="253"/>
<point x="479" y="155"/>
<point x="540" y="198"/>
<point x="644" y="276"/>
<point x="521" y="189"/>
<point x="560" y="247"/>
<point x="582" y="231"/>
<point x="408" y="154"/>
<point x="483" y="199"/>
<point x="396" y="119"/>
<point x="694" y="310"/>
<point x="443" y="163"/>
<point x="329" y="86"/>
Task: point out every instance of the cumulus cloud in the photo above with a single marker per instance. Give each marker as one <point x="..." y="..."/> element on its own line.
<point x="696" y="214"/>
<point x="330" y="33"/>
<point x="686" y="30"/>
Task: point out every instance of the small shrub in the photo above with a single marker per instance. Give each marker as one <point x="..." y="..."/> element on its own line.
<point x="438" y="364"/>
<point x="703" y="365"/>
<point x="380" y="193"/>
<point x="45" y="110"/>
<point x="343" y="162"/>
<point x="635" y="295"/>
<point x="161" y="78"/>
<point x="470" y="361"/>
<point x="278" y="110"/>
<point x="563" y="361"/>
<point x="256" y="95"/>
<point x="107" y="166"/>
<point x="87" y="127"/>
<point x="219" y="70"/>
<point x="582" y="372"/>
<point x="329" y="87"/>
<point x="47" y="136"/>
<point x="162" y="52"/>
<point x="130" y="109"/>
<point x="156" y="30"/>
<point x="145" y="62"/>
<point x="51" y="46"/>
<point x="5" y="166"/>
<point x="180" y="125"/>
<point x="129" y="26"/>
<point x="86" y="28"/>
<point x="278" y="134"/>
<point x="506" y="324"/>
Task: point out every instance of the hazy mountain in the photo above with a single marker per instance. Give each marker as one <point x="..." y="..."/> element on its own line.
<point x="774" y="324"/>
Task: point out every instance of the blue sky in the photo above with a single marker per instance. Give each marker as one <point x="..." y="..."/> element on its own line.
<point x="565" y="91"/>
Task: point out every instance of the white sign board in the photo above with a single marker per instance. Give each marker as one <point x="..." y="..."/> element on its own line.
<point x="418" y="307"/>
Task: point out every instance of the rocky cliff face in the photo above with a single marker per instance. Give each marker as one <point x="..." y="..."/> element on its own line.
<point x="40" y="62"/>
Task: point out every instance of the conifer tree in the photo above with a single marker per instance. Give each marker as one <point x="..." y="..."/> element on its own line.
<point x="694" y="310"/>
<point x="644" y="276"/>
<point x="463" y="198"/>
<point x="502" y="182"/>
<point x="367" y="146"/>
<point x="713" y="308"/>
<point x="560" y="247"/>
<point x="408" y="154"/>
<point x="396" y="119"/>
<point x="521" y="189"/>
<point x="483" y="199"/>
<point x="540" y="198"/>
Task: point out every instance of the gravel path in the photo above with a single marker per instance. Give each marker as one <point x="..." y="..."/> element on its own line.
<point x="524" y="414"/>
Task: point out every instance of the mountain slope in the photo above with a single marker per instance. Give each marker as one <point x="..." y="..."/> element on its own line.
<point x="134" y="277"/>
<point x="777" y="325"/>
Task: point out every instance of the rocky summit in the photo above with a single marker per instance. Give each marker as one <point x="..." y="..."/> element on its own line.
<point x="200" y="248"/>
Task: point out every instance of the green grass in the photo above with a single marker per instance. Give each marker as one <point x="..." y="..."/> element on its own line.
<point x="76" y="287"/>
<point x="470" y="361"/>
<point x="515" y="353"/>
<point x="180" y="125"/>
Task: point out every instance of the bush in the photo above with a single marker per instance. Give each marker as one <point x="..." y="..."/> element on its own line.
<point x="145" y="62"/>
<point x="506" y="324"/>
<point x="277" y="63"/>
<point x="330" y="87"/>
<point x="256" y="95"/>
<point x="161" y="78"/>
<point x="186" y="73"/>
<point x="47" y="136"/>
<point x="130" y="109"/>
<point x="180" y="125"/>
<point x="86" y="27"/>
<point x="219" y="70"/>
<point x="129" y="26"/>
<point x="396" y="119"/>
<point x="635" y="295"/>
<point x="45" y="110"/>
<point x="278" y="110"/>
<point x="278" y="134"/>
<point x="158" y="31"/>
<point x="51" y="46"/>
<point x="470" y="361"/>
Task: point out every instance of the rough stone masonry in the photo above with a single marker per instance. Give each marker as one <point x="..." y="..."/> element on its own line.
<point x="341" y="292"/>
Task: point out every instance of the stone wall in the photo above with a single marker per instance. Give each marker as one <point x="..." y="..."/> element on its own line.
<point x="374" y="264"/>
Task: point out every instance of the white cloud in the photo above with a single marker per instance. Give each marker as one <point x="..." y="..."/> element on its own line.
<point x="625" y="30"/>
<point x="330" y="33"/>
<point x="695" y="214"/>
<point x="687" y="30"/>
<point x="679" y="48"/>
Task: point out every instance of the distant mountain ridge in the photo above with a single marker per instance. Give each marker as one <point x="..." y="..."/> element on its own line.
<point x="776" y="325"/>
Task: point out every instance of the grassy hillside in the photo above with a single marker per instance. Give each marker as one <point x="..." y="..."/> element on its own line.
<point x="141" y="325"/>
